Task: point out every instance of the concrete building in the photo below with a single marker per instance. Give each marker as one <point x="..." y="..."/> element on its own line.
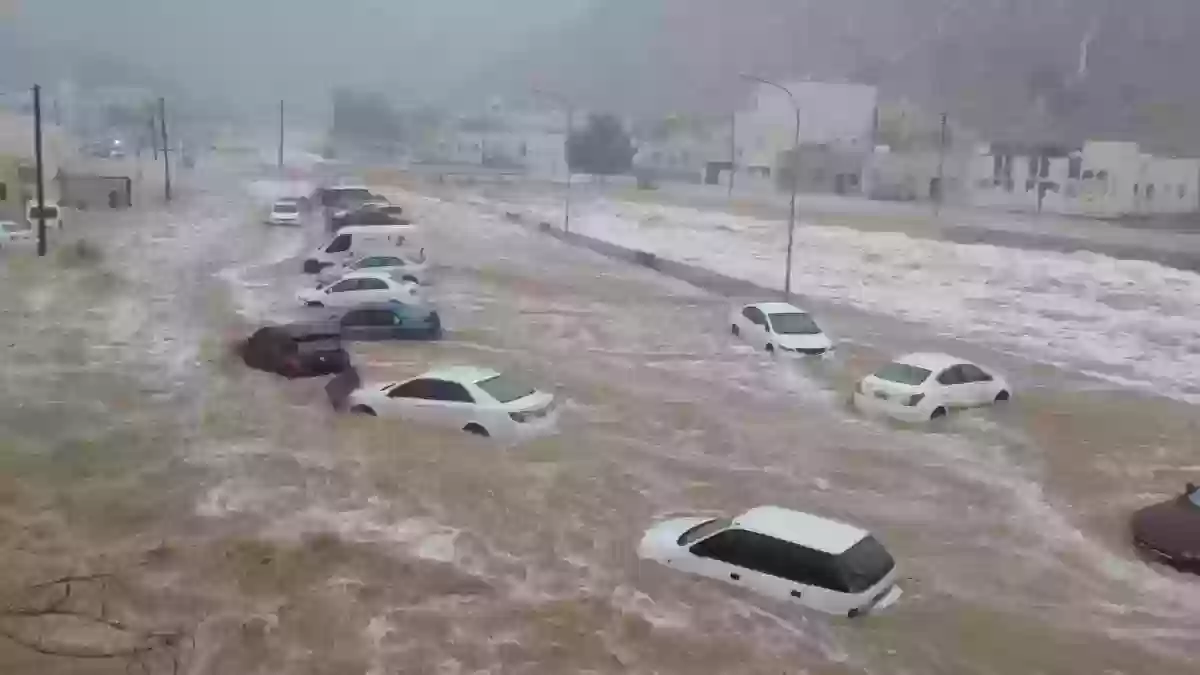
<point x="837" y="127"/>
<point x="1102" y="179"/>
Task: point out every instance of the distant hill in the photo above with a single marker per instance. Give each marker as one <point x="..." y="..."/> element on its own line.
<point x="1013" y="69"/>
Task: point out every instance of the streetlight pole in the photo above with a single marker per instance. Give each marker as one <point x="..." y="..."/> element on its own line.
<point x="41" y="181"/>
<point x="280" y="134"/>
<point x="570" y="111"/>
<point x="795" y="178"/>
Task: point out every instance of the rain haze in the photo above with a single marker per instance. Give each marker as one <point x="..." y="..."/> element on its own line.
<point x="599" y="336"/>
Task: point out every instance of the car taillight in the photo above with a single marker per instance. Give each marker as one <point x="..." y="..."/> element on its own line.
<point x="914" y="399"/>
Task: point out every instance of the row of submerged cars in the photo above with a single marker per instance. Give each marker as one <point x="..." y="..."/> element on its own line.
<point x="784" y="554"/>
<point x="373" y="280"/>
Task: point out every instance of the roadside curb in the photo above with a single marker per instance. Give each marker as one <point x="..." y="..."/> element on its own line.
<point x="700" y="277"/>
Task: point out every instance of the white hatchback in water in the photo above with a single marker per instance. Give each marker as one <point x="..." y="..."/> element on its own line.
<point x="359" y="288"/>
<point x="780" y="327"/>
<point x="480" y="401"/>
<point x="921" y="387"/>
<point x="819" y="563"/>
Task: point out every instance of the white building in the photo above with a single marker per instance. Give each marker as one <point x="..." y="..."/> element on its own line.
<point x="1102" y="179"/>
<point x="838" y="115"/>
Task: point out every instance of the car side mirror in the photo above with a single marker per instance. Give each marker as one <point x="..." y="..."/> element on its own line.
<point x="1191" y="487"/>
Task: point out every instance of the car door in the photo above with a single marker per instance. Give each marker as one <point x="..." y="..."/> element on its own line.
<point x="983" y="388"/>
<point x="356" y="325"/>
<point x="453" y="404"/>
<point x="755" y="328"/>
<point x="373" y="290"/>
<point x="716" y="557"/>
<point x="414" y="400"/>
<point x="956" y="391"/>
<point x="342" y="294"/>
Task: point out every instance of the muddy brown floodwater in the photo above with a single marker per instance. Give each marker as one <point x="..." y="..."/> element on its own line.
<point x="280" y="538"/>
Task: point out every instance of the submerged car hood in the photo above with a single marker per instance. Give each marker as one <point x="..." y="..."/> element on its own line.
<point x="1171" y="527"/>
<point x="662" y="539"/>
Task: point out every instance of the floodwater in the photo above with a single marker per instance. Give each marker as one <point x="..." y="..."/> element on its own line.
<point x="298" y="541"/>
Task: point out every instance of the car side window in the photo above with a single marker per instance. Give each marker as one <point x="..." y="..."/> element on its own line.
<point x="450" y="391"/>
<point x="771" y="556"/>
<point x="345" y="285"/>
<point x="415" y="389"/>
<point x="369" y="262"/>
<point x="340" y="244"/>
<point x="372" y="285"/>
<point x="357" y="317"/>
<point x="755" y="316"/>
<point x="951" y="376"/>
<point x="973" y="373"/>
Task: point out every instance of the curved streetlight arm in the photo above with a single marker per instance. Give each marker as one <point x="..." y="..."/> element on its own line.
<point x="794" y="179"/>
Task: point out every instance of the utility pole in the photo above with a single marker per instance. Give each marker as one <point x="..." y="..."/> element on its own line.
<point x="794" y="179"/>
<point x="153" y="136"/>
<point x="41" y="182"/>
<point x="732" y="150"/>
<point x="162" y="118"/>
<point x="941" y="169"/>
<point x="281" y="133"/>
<point x="570" y="173"/>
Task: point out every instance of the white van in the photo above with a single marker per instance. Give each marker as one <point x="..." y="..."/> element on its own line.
<point x="356" y="241"/>
<point x="53" y="214"/>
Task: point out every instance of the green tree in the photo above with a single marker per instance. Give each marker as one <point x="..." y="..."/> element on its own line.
<point x="602" y="148"/>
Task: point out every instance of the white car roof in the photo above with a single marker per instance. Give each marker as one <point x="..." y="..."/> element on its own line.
<point x="930" y="361"/>
<point x="821" y="534"/>
<point x="777" y="307"/>
<point x="466" y="374"/>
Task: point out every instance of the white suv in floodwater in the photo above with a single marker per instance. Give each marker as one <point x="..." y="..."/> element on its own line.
<point x="819" y="563"/>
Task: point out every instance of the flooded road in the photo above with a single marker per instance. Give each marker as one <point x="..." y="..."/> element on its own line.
<point x="385" y="547"/>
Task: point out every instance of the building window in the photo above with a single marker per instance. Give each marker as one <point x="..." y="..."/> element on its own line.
<point x="1074" y="167"/>
<point x="1150" y="191"/>
<point x="1044" y="167"/>
<point x="1137" y="189"/>
<point x="1033" y="167"/>
<point x="3" y="192"/>
<point x="1182" y="191"/>
<point x="1029" y="185"/>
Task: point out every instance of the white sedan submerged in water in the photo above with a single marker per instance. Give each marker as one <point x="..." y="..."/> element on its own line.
<point x="788" y="555"/>
<point x="480" y="401"/>
<point x="359" y="288"/>
<point x="780" y="328"/>
<point x="921" y="387"/>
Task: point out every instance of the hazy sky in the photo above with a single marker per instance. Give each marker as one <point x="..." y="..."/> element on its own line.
<point x="268" y="49"/>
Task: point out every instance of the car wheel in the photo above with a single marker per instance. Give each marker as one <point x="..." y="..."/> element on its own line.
<point x="473" y="428"/>
<point x="735" y="330"/>
<point x="410" y="278"/>
<point x="1003" y="396"/>
<point x="938" y="413"/>
<point x="363" y="410"/>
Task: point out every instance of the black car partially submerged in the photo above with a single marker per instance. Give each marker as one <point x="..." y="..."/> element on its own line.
<point x="296" y="350"/>
<point x="1169" y="532"/>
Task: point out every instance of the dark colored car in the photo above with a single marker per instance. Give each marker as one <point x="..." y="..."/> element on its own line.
<point x="296" y="350"/>
<point x="364" y="216"/>
<point x="1169" y="532"/>
<point x="388" y="321"/>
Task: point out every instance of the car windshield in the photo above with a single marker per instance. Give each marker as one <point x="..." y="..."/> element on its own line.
<point x="11" y="227"/>
<point x="286" y="208"/>
<point x="504" y="389"/>
<point x="903" y="373"/>
<point x="794" y="323"/>
<point x="381" y="262"/>
<point x="703" y="530"/>
<point x="50" y="212"/>
<point x="862" y="565"/>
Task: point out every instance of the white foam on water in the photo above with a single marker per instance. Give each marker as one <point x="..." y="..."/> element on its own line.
<point x="1130" y="321"/>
